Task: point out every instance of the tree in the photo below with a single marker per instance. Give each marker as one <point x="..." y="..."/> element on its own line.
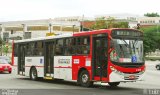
<point x="151" y="39"/>
<point x="1" y="45"/>
<point x="110" y="22"/>
<point x="152" y="14"/>
<point x="102" y="23"/>
<point x="5" y="49"/>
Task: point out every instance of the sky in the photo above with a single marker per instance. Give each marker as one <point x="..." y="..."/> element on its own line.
<point x="14" y="10"/>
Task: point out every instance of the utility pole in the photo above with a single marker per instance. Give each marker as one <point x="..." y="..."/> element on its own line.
<point x="73" y="28"/>
<point x="24" y="30"/>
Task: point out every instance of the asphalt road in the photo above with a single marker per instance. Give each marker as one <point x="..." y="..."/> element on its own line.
<point x="12" y="84"/>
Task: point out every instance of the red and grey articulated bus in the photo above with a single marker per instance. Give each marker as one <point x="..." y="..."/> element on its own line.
<point x="109" y="55"/>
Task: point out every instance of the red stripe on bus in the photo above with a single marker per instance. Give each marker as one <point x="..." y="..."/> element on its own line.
<point x="62" y="67"/>
<point x="27" y="66"/>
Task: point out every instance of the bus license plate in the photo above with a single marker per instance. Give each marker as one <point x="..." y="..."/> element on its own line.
<point x="132" y="77"/>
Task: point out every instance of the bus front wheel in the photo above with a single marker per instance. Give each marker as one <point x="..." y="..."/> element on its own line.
<point x="114" y="84"/>
<point x="33" y="73"/>
<point x="84" y="79"/>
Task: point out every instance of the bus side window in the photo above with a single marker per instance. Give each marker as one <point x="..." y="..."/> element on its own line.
<point x="59" y="47"/>
<point x="86" y="45"/>
<point x="79" y="45"/>
<point x="28" y="48"/>
<point x="39" y="49"/>
<point x="83" y="45"/>
<point x="68" y="46"/>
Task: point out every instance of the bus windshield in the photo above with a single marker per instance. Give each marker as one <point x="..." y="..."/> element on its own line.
<point x="127" y="51"/>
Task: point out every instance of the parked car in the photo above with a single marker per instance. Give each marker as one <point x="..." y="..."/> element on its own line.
<point x="5" y="66"/>
<point x="6" y="58"/>
<point x="158" y="66"/>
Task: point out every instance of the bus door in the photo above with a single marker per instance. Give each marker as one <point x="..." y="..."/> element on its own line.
<point x="21" y="59"/>
<point x="100" y="57"/>
<point x="49" y="59"/>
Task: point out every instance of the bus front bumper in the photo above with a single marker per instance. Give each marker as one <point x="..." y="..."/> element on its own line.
<point x="123" y="77"/>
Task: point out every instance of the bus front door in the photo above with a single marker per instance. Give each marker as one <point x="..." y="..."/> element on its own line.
<point x="100" y="59"/>
<point x="49" y="59"/>
<point x="21" y="59"/>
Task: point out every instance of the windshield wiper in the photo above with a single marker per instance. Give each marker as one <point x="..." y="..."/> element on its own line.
<point x="136" y="41"/>
<point x="126" y="44"/>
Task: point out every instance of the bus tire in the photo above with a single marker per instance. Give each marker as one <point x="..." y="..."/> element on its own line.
<point x="33" y="74"/>
<point x="84" y="79"/>
<point x="114" y="84"/>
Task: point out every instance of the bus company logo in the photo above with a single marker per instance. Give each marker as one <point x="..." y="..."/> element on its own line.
<point x="64" y="61"/>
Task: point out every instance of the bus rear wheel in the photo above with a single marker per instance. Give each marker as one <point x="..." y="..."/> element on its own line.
<point x="114" y="84"/>
<point x="33" y="74"/>
<point x="84" y="79"/>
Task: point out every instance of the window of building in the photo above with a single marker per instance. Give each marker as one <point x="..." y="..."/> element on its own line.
<point x="151" y="21"/>
<point x="5" y="36"/>
<point x="27" y="35"/>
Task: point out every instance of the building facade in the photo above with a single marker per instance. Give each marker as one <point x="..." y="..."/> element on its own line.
<point x="123" y="17"/>
<point x="37" y="28"/>
<point x="149" y="21"/>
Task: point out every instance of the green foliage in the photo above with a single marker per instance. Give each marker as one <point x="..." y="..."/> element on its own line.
<point x="152" y="14"/>
<point x="5" y="49"/>
<point x="101" y="23"/>
<point x="151" y="39"/>
<point x="1" y="41"/>
<point x="120" y="25"/>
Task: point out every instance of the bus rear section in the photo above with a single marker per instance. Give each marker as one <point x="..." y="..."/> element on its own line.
<point x="110" y="56"/>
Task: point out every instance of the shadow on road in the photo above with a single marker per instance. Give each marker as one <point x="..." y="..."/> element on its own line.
<point x="4" y="73"/>
<point x="69" y="83"/>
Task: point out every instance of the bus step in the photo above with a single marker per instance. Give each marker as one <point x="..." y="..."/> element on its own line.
<point x="48" y="78"/>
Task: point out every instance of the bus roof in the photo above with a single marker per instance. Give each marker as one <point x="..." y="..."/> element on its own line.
<point x="44" y="38"/>
<point x="74" y="35"/>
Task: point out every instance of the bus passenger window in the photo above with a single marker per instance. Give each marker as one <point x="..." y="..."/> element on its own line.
<point x="59" y="47"/>
<point x="83" y="45"/>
